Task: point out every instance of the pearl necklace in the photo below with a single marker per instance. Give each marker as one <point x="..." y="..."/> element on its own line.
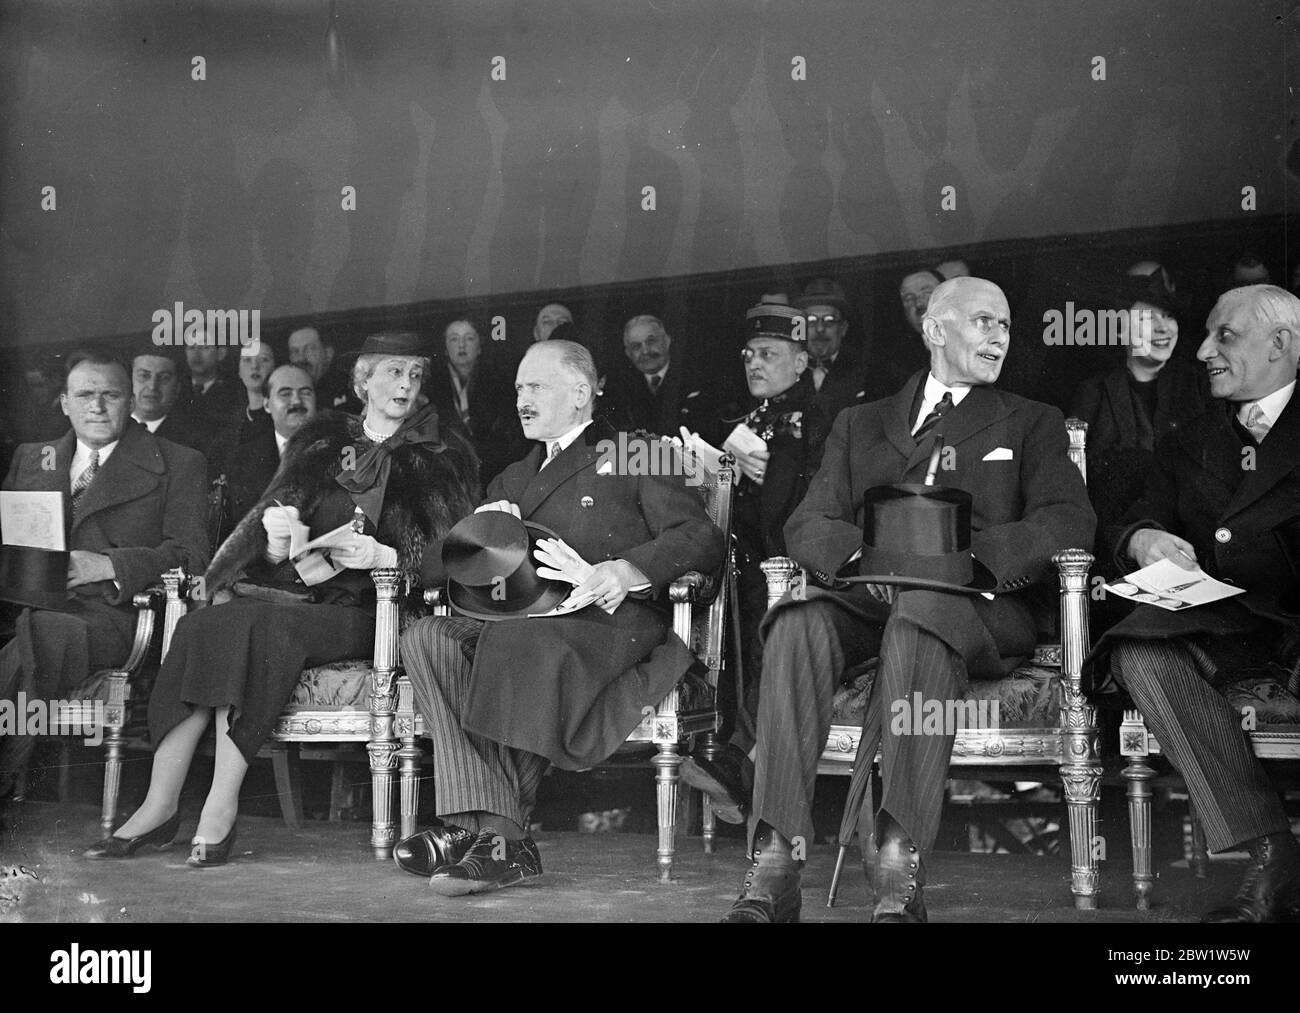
<point x="373" y="436"/>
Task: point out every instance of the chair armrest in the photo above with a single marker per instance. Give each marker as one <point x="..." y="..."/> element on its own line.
<point x="783" y="576"/>
<point x="693" y="587"/>
<point x="1072" y="567"/>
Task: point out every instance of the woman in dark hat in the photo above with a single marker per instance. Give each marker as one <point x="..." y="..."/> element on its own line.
<point x="1131" y="407"/>
<point x="401" y="481"/>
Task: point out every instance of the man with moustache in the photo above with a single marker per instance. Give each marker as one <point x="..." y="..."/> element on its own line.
<point x="1224" y="494"/>
<point x="784" y="414"/>
<point x="1028" y="502"/>
<point x="138" y="509"/>
<point x="502" y="700"/>
<point x="332" y="381"/>
<point x="652" y="391"/>
<point x="290" y="400"/>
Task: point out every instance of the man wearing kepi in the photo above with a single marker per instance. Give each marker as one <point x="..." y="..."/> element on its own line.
<point x="502" y="699"/>
<point x="1224" y="495"/>
<point x="1027" y="501"/>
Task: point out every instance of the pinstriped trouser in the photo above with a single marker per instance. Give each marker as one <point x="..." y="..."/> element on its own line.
<point x="806" y="650"/>
<point x="1201" y="734"/>
<point x="470" y="773"/>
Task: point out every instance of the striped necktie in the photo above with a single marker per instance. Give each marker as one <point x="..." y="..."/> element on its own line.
<point x="932" y="420"/>
<point x="83" y="481"/>
<point x="551" y="454"/>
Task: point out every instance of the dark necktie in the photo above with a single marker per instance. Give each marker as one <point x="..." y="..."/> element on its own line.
<point x="84" y="479"/>
<point x="655" y="381"/>
<point x="932" y="420"/>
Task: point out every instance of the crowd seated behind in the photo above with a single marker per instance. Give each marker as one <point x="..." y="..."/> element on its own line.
<point x="430" y="429"/>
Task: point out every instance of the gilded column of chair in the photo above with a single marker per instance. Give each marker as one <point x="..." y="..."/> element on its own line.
<point x="382" y="746"/>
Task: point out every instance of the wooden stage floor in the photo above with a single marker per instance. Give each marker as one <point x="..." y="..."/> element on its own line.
<point x="325" y="873"/>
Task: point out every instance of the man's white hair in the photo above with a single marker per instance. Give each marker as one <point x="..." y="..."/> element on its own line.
<point x="946" y="298"/>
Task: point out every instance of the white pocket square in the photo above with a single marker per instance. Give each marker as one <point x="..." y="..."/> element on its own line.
<point x="998" y="454"/>
<point x="606" y="468"/>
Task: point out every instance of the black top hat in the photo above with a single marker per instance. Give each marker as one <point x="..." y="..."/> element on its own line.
<point x="491" y="571"/>
<point x="34" y="577"/>
<point x="773" y="320"/>
<point x="823" y="292"/>
<point x="918" y="536"/>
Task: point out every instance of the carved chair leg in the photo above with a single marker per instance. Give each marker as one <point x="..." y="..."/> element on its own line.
<point x="1137" y="777"/>
<point x="709" y="749"/>
<point x="667" y="761"/>
<point x="288" y="782"/>
<point x="113" y="748"/>
<point x="409" y="757"/>
<point x="1200" y="853"/>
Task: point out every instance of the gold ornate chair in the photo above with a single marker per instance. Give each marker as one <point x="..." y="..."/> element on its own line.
<point x="351" y="701"/>
<point x="1274" y="737"/>
<point x="700" y="603"/>
<point x="1046" y="724"/>
<point x="100" y="704"/>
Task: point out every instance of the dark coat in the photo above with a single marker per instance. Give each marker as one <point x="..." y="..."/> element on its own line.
<point x="252" y="466"/>
<point x="680" y="401"/>
<point x="146" y="511"/>
<point x="572" y="688"/>
<point x="427" y="493"/>
<point x="845" y="385"/>
<point x="1122" y="441"/>
<point x="493" y="425"/>
<point x="1024" y="510"/>
<point x="1244" y="524"/>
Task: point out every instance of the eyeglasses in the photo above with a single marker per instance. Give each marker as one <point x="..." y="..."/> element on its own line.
<point x="765" y="355"/>
<point x="826" y="321"/>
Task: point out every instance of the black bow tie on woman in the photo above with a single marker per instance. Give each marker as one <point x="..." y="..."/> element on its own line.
<point x="369" y="478"/>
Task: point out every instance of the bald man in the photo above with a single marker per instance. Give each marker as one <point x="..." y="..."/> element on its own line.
<point x="1028" y="501"/>
<point x="1225" y="494"/>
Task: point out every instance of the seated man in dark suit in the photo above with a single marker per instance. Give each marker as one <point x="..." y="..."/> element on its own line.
<point x="155" y="391"/>
<point x="137" y="509"/>
<point x="1224" y="493"/>
<point x="504" y="699"/>
<point x="1028" y="501"/>
<point x="836" y="372"/>
<point x="652" y="390"/>
<point x="771" y="483"/>
<point x="290" y="401"/>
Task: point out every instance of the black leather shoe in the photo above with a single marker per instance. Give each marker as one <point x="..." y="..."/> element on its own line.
<point x="727" y="780"/>
<point x="205" y="856"/>
<point x="430" y="850"/>
<point x="160" y="838"/>
<point x="1270" y="890"/>
<point x="899" y="879"/>
<point x="490" y="863"/>
<point x="770" y="891"/>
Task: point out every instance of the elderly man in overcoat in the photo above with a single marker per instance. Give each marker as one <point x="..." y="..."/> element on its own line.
<point x="1225" y="494"/>
<point x="502" y="700"/>
<point x="1028" y="501"/>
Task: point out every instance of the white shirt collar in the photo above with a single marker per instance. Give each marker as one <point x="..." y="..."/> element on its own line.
<point x="81" y="459"/>
<point x="1272" y="406"/>
<point x="934" y="392"/>
<point x="151" y="426"/>
<point x="565" y="440"/>
<point x="280" y="442"/>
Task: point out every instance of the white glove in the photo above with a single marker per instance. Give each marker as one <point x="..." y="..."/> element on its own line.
<point x="278" y="522"/>
<point x="559" y="562"/>
<point x="361" y="552"/>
